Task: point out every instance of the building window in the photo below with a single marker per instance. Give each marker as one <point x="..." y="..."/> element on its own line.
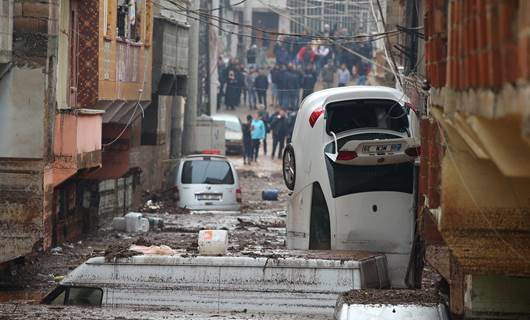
<point x="128" y="22"/>
<point x="105" y="17"/>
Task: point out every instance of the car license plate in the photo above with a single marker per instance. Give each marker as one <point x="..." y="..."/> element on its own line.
<point x="382" y="148"/>
<point x="208" y="196"/>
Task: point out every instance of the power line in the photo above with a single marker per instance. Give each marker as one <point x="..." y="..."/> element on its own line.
<point x="327" y="39"/>
<point x="201" y="12"/>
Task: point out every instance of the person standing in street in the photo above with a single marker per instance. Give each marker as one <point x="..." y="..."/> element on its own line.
<point x="252" y="54"/>
<point x="279" y="127"/>
<point x="343" y="75"/>
<point x="308" y="81"/>
<point x="250" y="84"/>
<point x="292" y="88"/>
<point x="221" y="77"/>
<point x="264" y="116"/>
<point x="244" y="81"/>
<point x="232" y="91"/>
<point x="257" y="133"/>
<point x="282" y="88"/>
<point x="273" y="80"/>
<point x="247" y="140"/>
<point x="261" y="83"/>
<point x="291" y="119"/>
<point x="328" y="74"/>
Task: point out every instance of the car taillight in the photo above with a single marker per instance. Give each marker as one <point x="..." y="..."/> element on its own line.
<point x="413" y="152"/>
<point x="176" y="193"/>
<point x="211" y="151"/>
<point x="411" y="107"/>
<point x="346" y="155"/>
<point x="315" y="115"/>
<point x="238" y="195"/>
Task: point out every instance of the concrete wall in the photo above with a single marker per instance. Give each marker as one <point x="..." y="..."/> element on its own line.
<point x="167" y="9"/>
<point x="153" y="159"/>
<point x="22" y="92"/>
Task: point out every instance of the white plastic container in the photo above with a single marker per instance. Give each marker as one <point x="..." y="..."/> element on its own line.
<point x="213" y="242"/>
<point x="133" y="222"/>
<point x="144" y="225"/>
<point x="118" y="223"/>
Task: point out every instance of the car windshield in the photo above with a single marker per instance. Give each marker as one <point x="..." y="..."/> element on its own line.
<point x="232" y="126"/>
<point x="207" y="172"/>
<point x="367" y="113"/>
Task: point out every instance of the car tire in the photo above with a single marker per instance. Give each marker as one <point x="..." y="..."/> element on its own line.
<point x="289" y="167"/>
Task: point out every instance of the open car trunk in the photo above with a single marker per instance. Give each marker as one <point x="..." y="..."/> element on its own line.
<point x="367" y="113"/>
<point x="370" y="132"/>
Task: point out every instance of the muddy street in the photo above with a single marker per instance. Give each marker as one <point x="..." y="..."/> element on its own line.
<point x="258" y="230"/>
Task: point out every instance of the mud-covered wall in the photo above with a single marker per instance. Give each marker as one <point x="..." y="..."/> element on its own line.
<point x="27" y="114"/>
<point x="21" y="207"/>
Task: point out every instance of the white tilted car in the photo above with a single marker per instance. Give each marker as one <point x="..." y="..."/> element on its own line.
<point x="207" y="182"/>
<point x="350" y="167"/>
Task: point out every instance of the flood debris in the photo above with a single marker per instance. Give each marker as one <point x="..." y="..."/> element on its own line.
<point x="56" y="251"/>
<point x="261" y="224"/>
<point x="213" y="242"/>
<point x="270" y="195"/>
<point x="119" y="250"/>
<point x="153" y="250"/>
<point x="428" y="294"/>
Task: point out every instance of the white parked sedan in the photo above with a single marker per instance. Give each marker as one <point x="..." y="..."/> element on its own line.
<point x="207" y="182"/>
<point x="350" y="167"/>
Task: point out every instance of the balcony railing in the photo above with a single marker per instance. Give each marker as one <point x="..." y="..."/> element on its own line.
<point x="127" y="62"/>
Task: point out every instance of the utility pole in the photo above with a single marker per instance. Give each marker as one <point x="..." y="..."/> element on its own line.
<point x="190" y="113"/>
<point x="247" y="20"/>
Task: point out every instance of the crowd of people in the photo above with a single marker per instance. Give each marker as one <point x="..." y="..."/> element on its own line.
<point x="299" y="63"/>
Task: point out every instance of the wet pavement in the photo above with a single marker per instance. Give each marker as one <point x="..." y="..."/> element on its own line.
<point x="257" y="230"/>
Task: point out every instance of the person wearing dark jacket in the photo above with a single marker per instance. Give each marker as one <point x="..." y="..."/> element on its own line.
<point x="308" y="83"/>
<point x="247" y="140"/>
<point x="275" y="71"/>
<point x="233" y="91"/>
<point x="291" y="119"/>
<point x="264" y="115"/>
<point x="283" y="90"/>
<point x="252" y="53"/>
<point x="262" y="84"/>
<point x="292" y="80"/>
<point x="279" y="127"/>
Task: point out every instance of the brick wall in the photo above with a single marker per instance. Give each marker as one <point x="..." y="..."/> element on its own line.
<point x="477" y="44"/>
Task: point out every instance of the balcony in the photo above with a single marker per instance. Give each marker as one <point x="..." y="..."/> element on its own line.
<point x="77" y="143"/>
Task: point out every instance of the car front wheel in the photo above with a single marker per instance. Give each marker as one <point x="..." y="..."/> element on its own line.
<point x="289" y="167"/>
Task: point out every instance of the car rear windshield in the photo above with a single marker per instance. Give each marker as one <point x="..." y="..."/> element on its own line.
<point x="233" y="126"/>
<point x="207" y="172"/>
<point x="348" y="179"/>
<point x="366" y="113"/>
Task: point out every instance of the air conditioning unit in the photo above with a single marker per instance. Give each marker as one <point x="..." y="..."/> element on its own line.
<point x="6" y="30"/>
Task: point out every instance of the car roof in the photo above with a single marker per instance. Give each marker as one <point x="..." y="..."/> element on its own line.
<point x="210" y="156"/>
<point x="326" y="96"/>
<point x="225" y="117"/>
<point x="360" y="92"/>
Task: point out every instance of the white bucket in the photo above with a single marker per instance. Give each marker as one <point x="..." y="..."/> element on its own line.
<point x="132" y="222"/>
<point x="213" y="242"/>
<point x="118" y="223"/>
<point x="144" y="225"/>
